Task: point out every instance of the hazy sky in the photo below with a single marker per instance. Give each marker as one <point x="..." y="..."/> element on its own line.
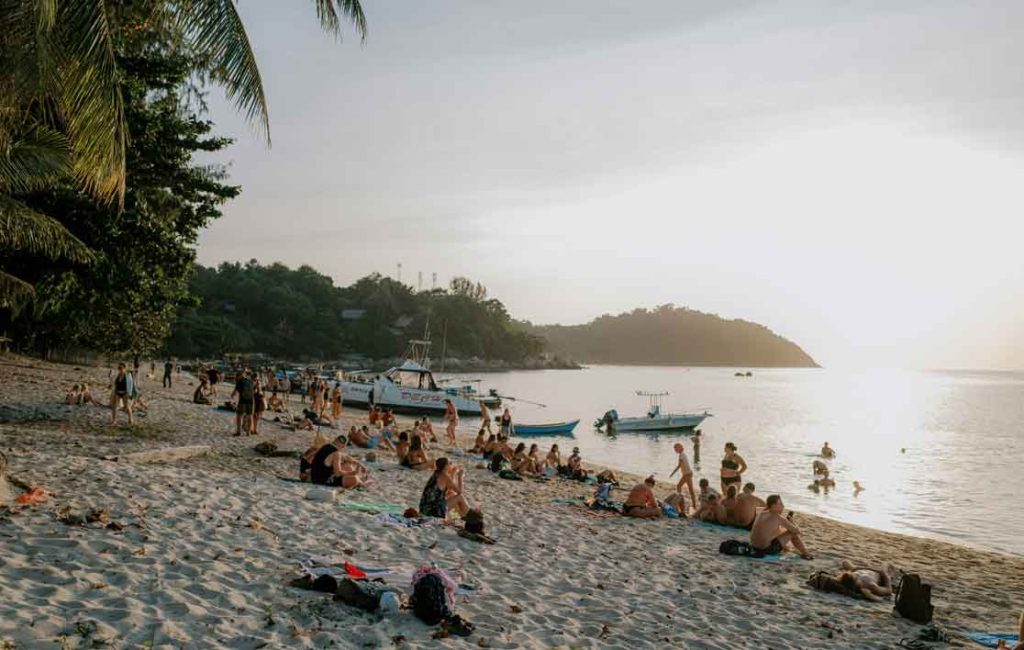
<point x="847" y="173"/>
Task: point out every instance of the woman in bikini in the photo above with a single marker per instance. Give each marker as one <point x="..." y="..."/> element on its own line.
<point x="416" y="458"/>
<point x="534" y="456"/>
<point x="451" y="414"/>
<point x="554" y="458"/>
<point x="733" y="467"/>
<point x="120" y="395"/>
<point x="505" y="426"/>
<point x="872" y="584"/>
<point x="443" y="491"/>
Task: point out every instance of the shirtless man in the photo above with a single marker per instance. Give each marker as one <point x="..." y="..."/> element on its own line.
<point x="745" y="510"/>
<point x="772" y="532"/>
<point x="485" y="417"/>
<point x="641" y="502"/>
<point x="827" y="452"/>
<point x="685" y="473"/>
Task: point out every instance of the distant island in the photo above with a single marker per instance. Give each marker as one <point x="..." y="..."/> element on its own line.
<point x="670" y="335"/>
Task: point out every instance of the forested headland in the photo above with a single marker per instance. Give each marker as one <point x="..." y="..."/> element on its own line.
<point x="300" y="314"/>
<point x="668" y="335"/>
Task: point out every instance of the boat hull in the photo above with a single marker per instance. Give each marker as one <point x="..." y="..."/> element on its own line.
<point x="557" y="429"/>
<point x="400" y="399"/>
<point x="661" y="423"/>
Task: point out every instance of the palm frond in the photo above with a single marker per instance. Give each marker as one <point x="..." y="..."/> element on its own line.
<point x="90" y="97"/>
<point x="34" y="160"/>
<point x="218" y="34"/>
<point x="330" y="20"/>
<point x="24" y="229"/>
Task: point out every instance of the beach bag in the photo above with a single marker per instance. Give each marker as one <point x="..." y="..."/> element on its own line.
<point x="429" y="600"/>
<point x="736" y="547"/>
<point x="474" y="521"/>
<point x="510" y="475"/>
<point x="496" y="462"/>
<point x="914" y="599"/>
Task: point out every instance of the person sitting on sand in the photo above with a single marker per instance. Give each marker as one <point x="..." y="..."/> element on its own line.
<point x="428" y="430"/>
<point x="374" y="415"/>
<point x="1001" y="644"/>
<point x="521" y="463"/>
<point x="745" y="507"/>
<point x="772" y="532"/>
<point x="388" y="418"/>
<point x="201" y="395"/>
<point x="402" y="446"/>
<point x="479" y="443"/>
<point x="827" y="452"/>
<point x="711" y="510"/>
<point x="306" y="460"/>
<point x="276" y="404"/>
<point x="733" y="467"/>
<point x="85" y="396"/>
<point x="416" y="458"/>
<point x="574" y="466"/>
<point x="554" y="458"/>
<point x="332" y="466"/>
<point x="705" y="491"/>
<point x="444" y="491"/>
<point x="641" y="502"/>
<point x="491" y="446"/>
<point x="360" y="437"/>
<point x="685" y="473"/>
<point x="71" y="397"/>
<point x="539" y="464"/>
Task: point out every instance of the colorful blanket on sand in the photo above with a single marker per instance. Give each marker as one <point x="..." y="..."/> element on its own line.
<point x="392" y="519"/>
<point x="372" y="507"/>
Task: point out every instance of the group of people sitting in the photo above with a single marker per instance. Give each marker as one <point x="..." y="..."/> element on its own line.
<point x="78" y="395"/>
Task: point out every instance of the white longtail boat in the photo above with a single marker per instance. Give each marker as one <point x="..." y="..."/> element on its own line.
<point x="654" y="421"/>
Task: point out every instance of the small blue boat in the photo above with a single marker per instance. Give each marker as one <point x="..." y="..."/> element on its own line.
<point x="556" y="429"/>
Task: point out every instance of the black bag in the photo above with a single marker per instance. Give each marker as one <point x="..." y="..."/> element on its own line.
<point x="914" y="599"/>
<point x="736" y="547"/>
<point x="429" y="600"/>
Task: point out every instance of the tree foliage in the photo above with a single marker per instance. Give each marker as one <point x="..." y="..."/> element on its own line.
<point x="127" y="297"/>
<point x="300" y="314"/>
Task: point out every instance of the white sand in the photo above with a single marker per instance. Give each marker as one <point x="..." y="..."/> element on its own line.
<point x="210" y="543"/>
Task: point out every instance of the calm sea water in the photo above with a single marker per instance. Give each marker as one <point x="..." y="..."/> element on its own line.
<point x="963" y="435"/>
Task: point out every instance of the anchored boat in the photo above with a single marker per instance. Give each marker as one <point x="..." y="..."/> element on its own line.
<point x="556" y="429"/>
<point x="655" y="420"/>
<point x="411" y="388"/>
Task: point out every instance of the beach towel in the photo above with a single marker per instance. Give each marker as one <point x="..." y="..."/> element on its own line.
<point x="991" y="640"/>
<point x="32" y="496"/>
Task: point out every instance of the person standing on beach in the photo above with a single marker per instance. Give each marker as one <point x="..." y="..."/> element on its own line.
<point x="451" y="414"/>
<point x="485" y="417"/>
<point x="696" y="448"/>
<point x="772" y="533"/>
<point x="686" y="474"/>
<point x="120" y="394"/>
<point x="245" y="390"/>
<point x="168" y="367"/>
<point x="733" y="467"/>
<point x="336" y="401"/>
<point x="505" y="427"/>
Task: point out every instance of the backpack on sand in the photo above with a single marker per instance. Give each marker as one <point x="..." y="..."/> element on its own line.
<point x="914" y="599"/>
<point x="429" y="600"/>
<point x="736" y="547"/>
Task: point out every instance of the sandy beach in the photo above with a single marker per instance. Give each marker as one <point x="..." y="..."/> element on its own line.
<point x="199" y="552"/>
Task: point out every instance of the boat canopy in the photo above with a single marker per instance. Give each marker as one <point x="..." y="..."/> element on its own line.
<point x="412" y="375"/>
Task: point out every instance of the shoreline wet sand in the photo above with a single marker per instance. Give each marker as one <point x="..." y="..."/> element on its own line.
<point x="208" y="544"/>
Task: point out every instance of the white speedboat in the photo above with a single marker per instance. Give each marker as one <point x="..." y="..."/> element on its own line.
<point x="411" y="388"/>
<point x="654" y="421"/>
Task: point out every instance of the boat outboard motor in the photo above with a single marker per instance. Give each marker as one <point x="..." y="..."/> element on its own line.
<point x="610" y="417"/>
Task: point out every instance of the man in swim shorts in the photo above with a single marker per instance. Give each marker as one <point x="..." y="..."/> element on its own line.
<point x="772" y="532"/>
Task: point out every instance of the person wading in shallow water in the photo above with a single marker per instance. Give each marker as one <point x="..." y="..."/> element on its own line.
<point x="733" y="467"/>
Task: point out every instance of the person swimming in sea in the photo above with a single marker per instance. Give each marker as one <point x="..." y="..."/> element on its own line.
<point x="827" y="452"/>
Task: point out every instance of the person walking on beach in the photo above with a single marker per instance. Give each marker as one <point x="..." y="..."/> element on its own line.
<point x="772" y="533"/>
<point x="245" y="390"/>
<point x="168" y="367"/>
<point x="686" y="474"/>
<point x="451" y="414"/>
<point x="733" y="467"/>
<point x="336" y="401"/>
<point x="120" y="394"/>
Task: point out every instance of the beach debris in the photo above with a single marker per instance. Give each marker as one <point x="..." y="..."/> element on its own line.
<point x="516" y="609"/>
<point x="483" y="642"/>
<point x="32" y="496"/>
<point x="265" y="448"/>
<point x="605" y="631"/>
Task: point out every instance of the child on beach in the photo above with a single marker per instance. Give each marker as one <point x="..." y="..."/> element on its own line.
<point x="685" y="473"/>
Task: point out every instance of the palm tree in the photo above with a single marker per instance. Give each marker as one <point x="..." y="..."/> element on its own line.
<point x="61" y="110"/>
